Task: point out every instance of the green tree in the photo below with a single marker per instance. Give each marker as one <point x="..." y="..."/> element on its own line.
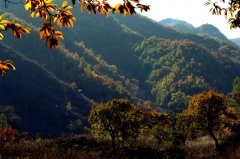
<point x="3" y="120"/>
<point x="236" y="93"/>
<point x="163" y="132"/>
<point x="208" y="111"/>
<point x="117" y="120"/>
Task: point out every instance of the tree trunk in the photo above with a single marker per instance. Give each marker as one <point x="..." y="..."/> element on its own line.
<point x="214" y="138"/>
<point x="113" y="146"/>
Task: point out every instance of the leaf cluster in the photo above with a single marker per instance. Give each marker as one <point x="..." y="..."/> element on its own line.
<point x="10" y="135"/>
<point x="17" y="29"/>
<point x="117" y="119"/>
<point x="51" y="14"/>
<point x="227" y="7"/>
<point x="208" y="111"/>
<point x="6" y="66"/>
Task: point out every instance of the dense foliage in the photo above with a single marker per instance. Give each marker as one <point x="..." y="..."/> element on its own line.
<point x="118" y="120"/>
<point x="236" y="93"/>
<point x="181" y="69"/>
<point x="209" y="111"/>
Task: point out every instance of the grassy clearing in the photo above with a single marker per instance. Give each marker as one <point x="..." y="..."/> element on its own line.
<point x="85" y="147"/>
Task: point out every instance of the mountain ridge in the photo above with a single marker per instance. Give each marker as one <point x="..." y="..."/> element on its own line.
<point x="204" y="29"/>
<point x="37" y="95"/>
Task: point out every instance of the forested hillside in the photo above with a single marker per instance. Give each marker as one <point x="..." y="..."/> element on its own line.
<point x="34" y="99"/>
<point x="104" y="58"/>
<point x="182" y="68"/>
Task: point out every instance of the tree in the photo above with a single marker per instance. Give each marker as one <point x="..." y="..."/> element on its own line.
<point x="227" y="7"/>
<point x="208" y="111"/>
<point x="236" y="93"/>
<point x="51" y="15"/>
<point x="10" y="135"/>
<point x="117" y="120"/>
<point x="162" y="131"/>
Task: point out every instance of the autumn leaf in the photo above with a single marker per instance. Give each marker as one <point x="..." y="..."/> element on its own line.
<point x="16" y="28"/>
<point x="6" y="66"/>
<point x="59" y="34"/>
<point x="1" y="36"/>
<point x="64" y="4"/>
<point x="116" y="7"/>
<point x="52" y="42"/>
<point x="143" y="7"/>
<point x="83" y="6"/>
<point x="131" y="8"/>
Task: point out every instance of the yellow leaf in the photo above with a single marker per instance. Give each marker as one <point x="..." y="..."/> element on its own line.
<point x="2" y="26"/>
<point x="55" y="19"/>
<point x="5" y="22"/>
<point x="48" y="1"/>
<point x="25" y="29"/>
<point x="37" y="14"/>
<point x="70" y="23"/>
<point x="64" y="4"/>
<point x="57" y="33"/>
<point x="69" y="7"/>
<point x="11" y="66"/>
<point x="1" y="36"/>
<point x="28" y="5"/>
<point x="32" y="14"/>
<point x="116" y="7"/>
<point x="5" y="66"/>
<point x="83" y="6"/>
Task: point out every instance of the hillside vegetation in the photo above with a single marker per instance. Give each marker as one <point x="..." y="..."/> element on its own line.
<point x="118" y="57"/>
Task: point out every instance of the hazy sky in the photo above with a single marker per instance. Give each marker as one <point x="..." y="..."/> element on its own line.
<point x="192" y="11"/>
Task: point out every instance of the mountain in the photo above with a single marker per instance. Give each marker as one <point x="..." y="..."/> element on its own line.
<point x="179" y="25"/>
<point x="181" y="68"/>
<point x="38" y="98"/>
<point x="236" y="41"/>
<point x="116" y="57"/>
<point x="172" y="22"/>
<point x="211" y="30"/>
<point x="205" y="29"/>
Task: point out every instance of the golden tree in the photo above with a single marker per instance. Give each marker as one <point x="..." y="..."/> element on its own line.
<point x="208" y="111"/>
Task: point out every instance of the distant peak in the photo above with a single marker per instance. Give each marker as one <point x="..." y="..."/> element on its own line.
<point x="173" y="22"/>
<point x="204" y="29"/>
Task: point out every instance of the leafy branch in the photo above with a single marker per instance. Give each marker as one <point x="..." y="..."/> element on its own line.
<point x="51" y="15"/>
<point x="227" y="8"/>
